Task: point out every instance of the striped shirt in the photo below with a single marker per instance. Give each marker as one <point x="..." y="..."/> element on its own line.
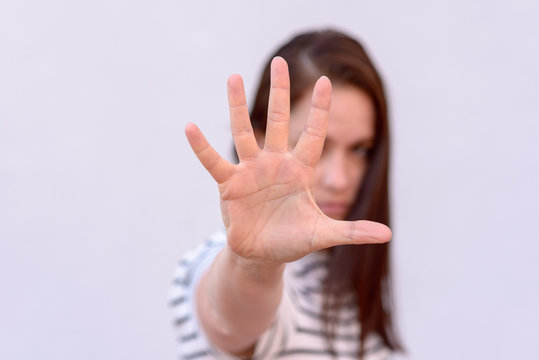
<point x="298" y="330"/>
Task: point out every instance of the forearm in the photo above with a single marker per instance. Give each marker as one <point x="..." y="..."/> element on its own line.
<point x="237" y="300"/>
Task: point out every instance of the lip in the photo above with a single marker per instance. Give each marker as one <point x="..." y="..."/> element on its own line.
<point x="332" y="208"/>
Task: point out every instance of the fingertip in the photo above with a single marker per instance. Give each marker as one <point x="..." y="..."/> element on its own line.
<point x="324" y="83"/>
<point x="278" y="60"/>
<point x="234" y="80"/>
<point x="322" y="93"/>
<point x="389" y="234"/>
<point x="279" y="65"/>
<point x="371" y="232"/>
<point x="384" y="236"/>
<point x="193" y="134"/>
<point x="380" y="233"/>
<point x="385" y="232"/>
<point x="190" y="128"/>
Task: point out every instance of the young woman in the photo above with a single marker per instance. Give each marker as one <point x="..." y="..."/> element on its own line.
<point x="302" y="270"/>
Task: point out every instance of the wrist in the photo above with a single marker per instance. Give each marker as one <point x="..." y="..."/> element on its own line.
<point x="253" y="268"/>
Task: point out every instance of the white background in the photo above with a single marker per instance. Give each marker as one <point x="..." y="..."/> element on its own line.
<point x="100" y="194"/>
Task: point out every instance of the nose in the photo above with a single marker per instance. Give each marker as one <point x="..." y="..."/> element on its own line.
<point x="334" y="171"/>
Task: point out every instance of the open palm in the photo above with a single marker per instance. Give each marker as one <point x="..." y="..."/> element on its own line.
<point x="266" y="200"/>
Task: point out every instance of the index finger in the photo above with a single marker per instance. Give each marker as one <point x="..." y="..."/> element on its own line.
<point x="240" y="124"/>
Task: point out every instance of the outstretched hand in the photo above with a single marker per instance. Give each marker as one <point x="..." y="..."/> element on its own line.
<point x="266" y="200"/>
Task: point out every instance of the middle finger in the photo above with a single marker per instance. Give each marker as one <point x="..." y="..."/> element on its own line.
<point x="278" y="107"/>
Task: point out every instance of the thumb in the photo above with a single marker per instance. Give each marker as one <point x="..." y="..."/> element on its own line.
<point x="330" y="232"/>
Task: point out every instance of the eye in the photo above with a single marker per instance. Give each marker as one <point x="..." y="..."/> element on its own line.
<point x="361" y="150"/>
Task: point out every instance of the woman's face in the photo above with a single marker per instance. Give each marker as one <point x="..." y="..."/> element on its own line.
<point x="343" y="163"/>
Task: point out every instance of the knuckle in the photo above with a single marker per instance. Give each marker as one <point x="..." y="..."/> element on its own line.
<point x="315" y="132"/>
<point x="277" y="116"/>
<point x="241" y="131"/>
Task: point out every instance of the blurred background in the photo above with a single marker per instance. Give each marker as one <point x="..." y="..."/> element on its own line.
<point x="100" y="194"/>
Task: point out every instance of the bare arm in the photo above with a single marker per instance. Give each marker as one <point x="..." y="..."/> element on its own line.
<point x="237" y="300"/>
<point x="268" y="211"/>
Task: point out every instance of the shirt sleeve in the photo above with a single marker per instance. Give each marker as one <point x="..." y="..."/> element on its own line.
<point x="192" y="342"/>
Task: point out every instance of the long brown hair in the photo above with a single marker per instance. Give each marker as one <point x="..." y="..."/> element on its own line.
<point x="364" y="270"/>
